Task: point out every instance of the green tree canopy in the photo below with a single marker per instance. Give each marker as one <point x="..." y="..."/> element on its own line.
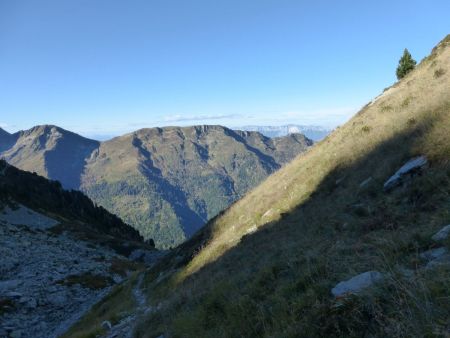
<point x="405" y="65"/>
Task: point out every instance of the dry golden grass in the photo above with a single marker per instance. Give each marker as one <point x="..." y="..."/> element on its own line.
<point x="265" y="266"/>
<point x="418" y="97"/>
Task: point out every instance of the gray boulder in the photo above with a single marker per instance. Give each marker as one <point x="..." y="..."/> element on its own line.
<point x="357" y="283"/>
<point x="408" y="170"/>
<point x="442" y="234"/>
<point x="433" y="254"/>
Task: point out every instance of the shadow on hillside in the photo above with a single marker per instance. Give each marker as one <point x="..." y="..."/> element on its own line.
<point x="338" y="192"/>
<point x="67" y="161"/>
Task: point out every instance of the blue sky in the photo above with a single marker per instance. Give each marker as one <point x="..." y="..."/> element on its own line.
<point x="109" y="66"/>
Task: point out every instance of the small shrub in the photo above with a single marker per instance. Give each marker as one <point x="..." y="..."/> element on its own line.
<point x="412" y="121"/>
<point x="366" y="129"/>
<point x="439" y="72"/>
<point x="123" y="267"/>
<point x="6" y="305"/>
<point x="386" y="108"/>
<point x="405" y="103"/>
<point x="87" y="280"/>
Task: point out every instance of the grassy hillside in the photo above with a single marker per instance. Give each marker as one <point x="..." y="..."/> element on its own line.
<point x="167" y="182"/>
<point x="265" y="267"/>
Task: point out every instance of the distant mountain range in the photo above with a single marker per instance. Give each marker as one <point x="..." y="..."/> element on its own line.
<point x="315" y="133"/>
<point x="165" y="182"/>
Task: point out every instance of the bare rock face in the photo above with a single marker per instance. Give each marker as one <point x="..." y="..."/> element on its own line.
<point x="357" y="283"/>
<point x="409" y="169"/>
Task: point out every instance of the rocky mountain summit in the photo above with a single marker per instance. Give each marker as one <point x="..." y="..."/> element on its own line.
<point x="165" y="182"/>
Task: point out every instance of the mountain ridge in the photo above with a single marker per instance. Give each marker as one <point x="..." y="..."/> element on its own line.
<point x="315" y="133"/>
<point x="166" y="182"/>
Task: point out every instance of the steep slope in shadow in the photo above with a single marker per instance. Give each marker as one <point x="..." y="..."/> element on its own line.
<point x="6" y="140"/>
<point x="188" y="218"/>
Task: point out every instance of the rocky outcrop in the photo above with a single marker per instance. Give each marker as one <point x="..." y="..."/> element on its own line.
<point x="356" y="284"/>
<point x="408" y="170"/>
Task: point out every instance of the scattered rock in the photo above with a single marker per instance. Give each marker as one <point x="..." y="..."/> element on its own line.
<point x="9" y="284"/>
<point x="442" y="234"/>
<point x="433" y="254"/>
<point x="57" y="299"/>
<point x="31" y="303"/>
<point x="268" y="213"/>
<point x="252" y="229"/>
<point x="441" y="260"/>
<point x="29" y="274"/>
<point x="357" y="283"/>
<point x="117" y="279"/>
<point x="365" y="182"/>
<point x="409" y="169"/>
<point x="339" y="180"/>
<point x="107" y="325"/>
<point x="13" y="295"/>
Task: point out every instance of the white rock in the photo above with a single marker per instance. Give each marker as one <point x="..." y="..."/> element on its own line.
<point x="408" y="168"/>
<point x="251" y="230"/>
<point x="357" y="283"/>
<point x="442" y="234"/>
<point x="268" y="213"/>
<point x="107" y="325"/>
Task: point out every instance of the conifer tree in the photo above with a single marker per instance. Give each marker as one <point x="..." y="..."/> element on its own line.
<point x="405" y="65"/>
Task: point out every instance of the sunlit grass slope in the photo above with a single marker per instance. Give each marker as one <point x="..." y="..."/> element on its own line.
<point x="265" y="267"/>
<point x="414" y="111"/>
